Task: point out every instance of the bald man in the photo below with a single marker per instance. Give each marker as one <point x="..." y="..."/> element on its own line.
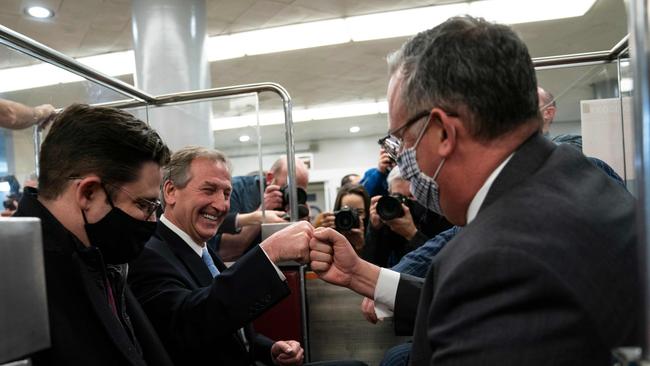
<point x="547" y="108"/>
<point x="246" y="198"/>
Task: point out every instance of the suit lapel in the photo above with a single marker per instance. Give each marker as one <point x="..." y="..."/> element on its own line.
<point x="99" y="303"/>
<point x="192" y="262"/>
<point x="527" y="159"/>
<point x="221" y="266"/>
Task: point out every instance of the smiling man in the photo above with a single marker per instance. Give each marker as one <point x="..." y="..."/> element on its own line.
<point x="200" y="309"/>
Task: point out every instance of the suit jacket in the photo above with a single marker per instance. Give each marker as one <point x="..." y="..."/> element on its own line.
<point x="83" y="329"/>
<point x="197" y="316"/>
<point x="546" y="274"/>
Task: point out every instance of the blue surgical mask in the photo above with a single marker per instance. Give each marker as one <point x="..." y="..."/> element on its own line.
<point x="424" y="188"/>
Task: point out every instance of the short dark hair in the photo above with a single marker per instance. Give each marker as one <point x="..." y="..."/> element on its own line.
<point x="96" y="140"/>
<point x="347" y="179"/>
<point x="469" y="66"/>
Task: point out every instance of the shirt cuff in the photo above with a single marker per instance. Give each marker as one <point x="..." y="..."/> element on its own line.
<point x="277" y="269"/>
<point x="386" y="288"/>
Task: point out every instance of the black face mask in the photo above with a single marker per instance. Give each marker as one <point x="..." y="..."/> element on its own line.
<point x="119" y="237"/>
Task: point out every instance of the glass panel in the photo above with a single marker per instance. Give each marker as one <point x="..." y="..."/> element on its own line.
<point x="34" y="83"/>
<point x="588" y="114"/>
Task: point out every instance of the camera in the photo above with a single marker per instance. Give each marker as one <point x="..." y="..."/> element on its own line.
<point x="302" y="195"/>
<point x="390" y="207"/>
<point x="346" y="219"/>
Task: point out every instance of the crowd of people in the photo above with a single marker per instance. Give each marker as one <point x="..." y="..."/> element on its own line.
<point x="486" y="242"/>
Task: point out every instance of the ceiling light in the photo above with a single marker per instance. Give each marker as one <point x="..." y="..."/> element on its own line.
<point x="39" y="12"/>
<point x="244" y="138"/>
<point x="355" y="129"/>
<point x="301" y="114"/>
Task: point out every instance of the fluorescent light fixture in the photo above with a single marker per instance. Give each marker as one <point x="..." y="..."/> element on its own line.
<point x="39" y="12"/>
<point x="34" y="76"/>
<point x="5" y="187"/>
<point x="518" y="11"/>
<point x="301" y="114"/>
<point x="315" y="34"/>
<point x="244" y="138"/>
<point x="355" y="129"/>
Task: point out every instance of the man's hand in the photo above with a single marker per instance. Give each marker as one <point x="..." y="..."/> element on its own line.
<point x="386" y="163"/>
<point x="43" y="115"/>
<point x="332" y="257"/>
<point x="288" y="353"/>
<point x="335" y="261"/>
<point x="272" y="197"/>
<point x="368" y="310"/>
<point x="290" y="243"/>
<point x="404" y="225"/>
<point x="375" y="220"/>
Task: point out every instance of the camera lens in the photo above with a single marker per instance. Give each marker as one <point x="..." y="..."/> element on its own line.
<point x="346" y="219"/>
<point x="389" y="207"/>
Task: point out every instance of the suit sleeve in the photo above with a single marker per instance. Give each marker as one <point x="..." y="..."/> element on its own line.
<point x="406" y="303"/>
<point x="504" y="306"/>
<point x="197" y="318"/>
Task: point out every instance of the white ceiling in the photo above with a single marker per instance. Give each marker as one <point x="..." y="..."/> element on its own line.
<point x="331" y="74"/>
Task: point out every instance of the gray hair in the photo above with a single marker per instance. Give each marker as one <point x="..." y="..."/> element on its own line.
<point x="178" y="169"/>
<point x="393" y="175"/>
<point x="472" y="68"/>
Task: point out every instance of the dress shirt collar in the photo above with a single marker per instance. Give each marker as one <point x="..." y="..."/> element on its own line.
<point x="198" y="248"/>
<point x="479" y="197"/>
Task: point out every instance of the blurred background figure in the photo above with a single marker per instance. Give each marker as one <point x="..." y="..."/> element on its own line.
<point x="398" y="224"/>
<point x="350" y="216"/>
<point x="351" y="178"/>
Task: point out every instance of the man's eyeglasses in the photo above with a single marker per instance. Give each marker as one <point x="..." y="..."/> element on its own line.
<point x="148" y="207"/>
<point x="145" y="205"/>
<point x="391" y="144"/>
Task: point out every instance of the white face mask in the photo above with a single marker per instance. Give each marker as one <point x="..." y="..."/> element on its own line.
<point x="424" y="188"/>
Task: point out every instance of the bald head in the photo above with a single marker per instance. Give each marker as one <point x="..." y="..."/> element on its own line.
<point x="279" y="171"/>
<point x="546" y="108"/>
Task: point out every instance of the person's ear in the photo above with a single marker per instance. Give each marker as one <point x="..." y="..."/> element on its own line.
<point x="269" y="178"/>
<point x="88" y="191"/>
<point x="447" y="131"/>
<point x="169" y="192"/>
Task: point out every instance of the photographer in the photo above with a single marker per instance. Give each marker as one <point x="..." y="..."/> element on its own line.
<point x="375" y="179"/>
<point x="389" y="239"/>
<point x="241" y="231"/>
<point x="350" y="214"/>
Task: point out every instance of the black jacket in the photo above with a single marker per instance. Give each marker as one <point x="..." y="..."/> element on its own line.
<point x="196" y="316"/>
<point x="83" y="329"/>
<point x="546" y="274"/>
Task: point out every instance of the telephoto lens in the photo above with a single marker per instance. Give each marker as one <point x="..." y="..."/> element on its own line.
<point x="346" y="219"/>
<point x="390" y="207"/>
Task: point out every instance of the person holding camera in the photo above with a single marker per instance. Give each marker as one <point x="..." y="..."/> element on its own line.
<point x="350" y="216"/>
<point x="398" y="224"/>
<point x="242" y="227"/>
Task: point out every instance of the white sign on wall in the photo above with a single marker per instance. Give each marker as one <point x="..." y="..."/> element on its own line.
<point x="608" y="137"/>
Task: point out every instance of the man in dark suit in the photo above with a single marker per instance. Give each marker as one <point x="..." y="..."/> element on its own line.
<point x="197" y="305"/>
<point x="544" y="271"/>
<point x="100" y="172"/>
